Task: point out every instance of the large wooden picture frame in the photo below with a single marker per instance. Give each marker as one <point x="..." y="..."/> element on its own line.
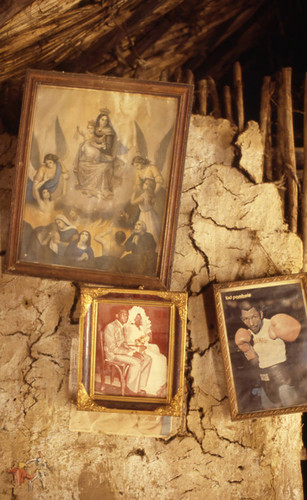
<point x="132" y="351"/>
<point x="98" y="179"/>
<point x="263" y="333"/>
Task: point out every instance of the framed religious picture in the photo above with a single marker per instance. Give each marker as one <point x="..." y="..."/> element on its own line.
<point x="263" y="332"/>
<point x="98" y="179"/>
<point x="132" y="351"/>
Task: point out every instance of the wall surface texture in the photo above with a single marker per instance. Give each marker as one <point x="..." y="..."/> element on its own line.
<point x="230" y="227"/>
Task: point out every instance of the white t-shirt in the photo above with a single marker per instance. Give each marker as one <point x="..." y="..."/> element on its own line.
<point x="270" y="352"/>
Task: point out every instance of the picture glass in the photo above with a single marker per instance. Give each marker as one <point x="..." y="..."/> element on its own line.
<point x="132" y="351"/>
<point x="139" y="337"/>
<point x="266" y="337"/>
<point x="98" y="171"/>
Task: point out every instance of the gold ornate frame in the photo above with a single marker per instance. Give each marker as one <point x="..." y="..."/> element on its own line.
<point x="96" y="309"/>
<point x="281" y="294"/>
<point x="60" y="116"/>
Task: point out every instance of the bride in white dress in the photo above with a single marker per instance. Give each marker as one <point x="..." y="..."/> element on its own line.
<point x="138" y="334"/>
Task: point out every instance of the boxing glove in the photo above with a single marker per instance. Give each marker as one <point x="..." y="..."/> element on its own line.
<point x="284" y="327"/>
<point x="242" y="340"/>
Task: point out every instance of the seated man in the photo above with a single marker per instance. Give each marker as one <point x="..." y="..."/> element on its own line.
<point x="117" y="349"/>
<point x="142" y="258"/>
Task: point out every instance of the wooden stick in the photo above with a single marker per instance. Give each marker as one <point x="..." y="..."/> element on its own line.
<point x="239" y="94"/>
<point x="202" y="96"/>
<point x="268" y="150"/>
<point x="290" y="160"/>
<point x="265" y="125"/>
<point x="164" y="75"/>
<point x="280" y="130"/>
<point x="190" y="77"/>
<point x="304" y="199"/>
<point x="178" y="75"/>
<point x="216" y="112"/>
<point x="264" y="106"/>
<point x="227" y="103"/>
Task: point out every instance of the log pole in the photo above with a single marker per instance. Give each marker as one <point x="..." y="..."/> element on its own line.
<point x="290" y="160"/>
<point x="304" y="198"/>
<point x="202" y="96"/>
<point x="216" y="111"/>
<point x="265" y="126"/>
<point x="227" y="103"/>
<point x="238" y="85"/>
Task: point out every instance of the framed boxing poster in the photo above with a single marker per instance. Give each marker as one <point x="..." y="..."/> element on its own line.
<point x="132" y="351"/>
<point x="263" y="333"/>
<point x="99" y="168"/>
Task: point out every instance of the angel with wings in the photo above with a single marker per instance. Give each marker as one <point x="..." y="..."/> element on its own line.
<point x="50" y="176"/>
<point x="146" y="170"/>
<point x="147" y="202"/>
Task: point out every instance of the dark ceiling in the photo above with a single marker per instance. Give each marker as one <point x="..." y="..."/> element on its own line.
<point x="149" y="38"/>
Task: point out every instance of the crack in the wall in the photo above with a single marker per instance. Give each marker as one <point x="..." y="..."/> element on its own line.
<point x="192" y="188"/>
<point x="13" y="496"/>
<point x="60" y="384"/>
<point x="235" y="195"/>
<point x="73" y="308"/>
<point x="29" y="384"/>
<point x="201" y="353"/>
<point x="182" y="255"/>
<point x="139" y="452"/>
<point x="55" y="328"/>
<point x="208" y="172"/>
<point x="188" y="371"/>
<point x="12" y="334"/>
<point x="190" y="280"/>
<point x="243" y="215"/>
<point x="250" y="201"/>
<point x="223" y="225"/>
<point x="184" y="493"/>
<point x="173" y="478"/>
<point x="223" y="438"/>
<point x="269" y="258"/>
<point x="50" y="356"/>
<point x="192" y="240"/>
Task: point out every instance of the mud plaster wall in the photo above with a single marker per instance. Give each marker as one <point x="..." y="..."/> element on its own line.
<point x="230" y="227"/>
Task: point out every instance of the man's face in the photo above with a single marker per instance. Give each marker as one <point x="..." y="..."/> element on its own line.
<point x="123" y="317"/>
<point x="138" y="228"/>
<point x="252" y="319"/>
<point x="138" y="320"/>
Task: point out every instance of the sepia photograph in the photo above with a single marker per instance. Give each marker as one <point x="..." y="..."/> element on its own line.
<point x="133" y="343"/>
<point x="99" y="170"/>
<point x="132" y="349"/>
<point x="263" y="332"/>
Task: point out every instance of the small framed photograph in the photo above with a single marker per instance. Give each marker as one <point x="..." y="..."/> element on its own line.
<point x="263" y="332"/>
<point x="98" y="179"/>
<point x="132" y="351"/>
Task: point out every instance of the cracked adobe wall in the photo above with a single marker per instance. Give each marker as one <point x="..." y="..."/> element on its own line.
<point x="230" y="227"/>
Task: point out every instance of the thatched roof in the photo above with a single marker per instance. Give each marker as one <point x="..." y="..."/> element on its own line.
<point x="146" y="38"/>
